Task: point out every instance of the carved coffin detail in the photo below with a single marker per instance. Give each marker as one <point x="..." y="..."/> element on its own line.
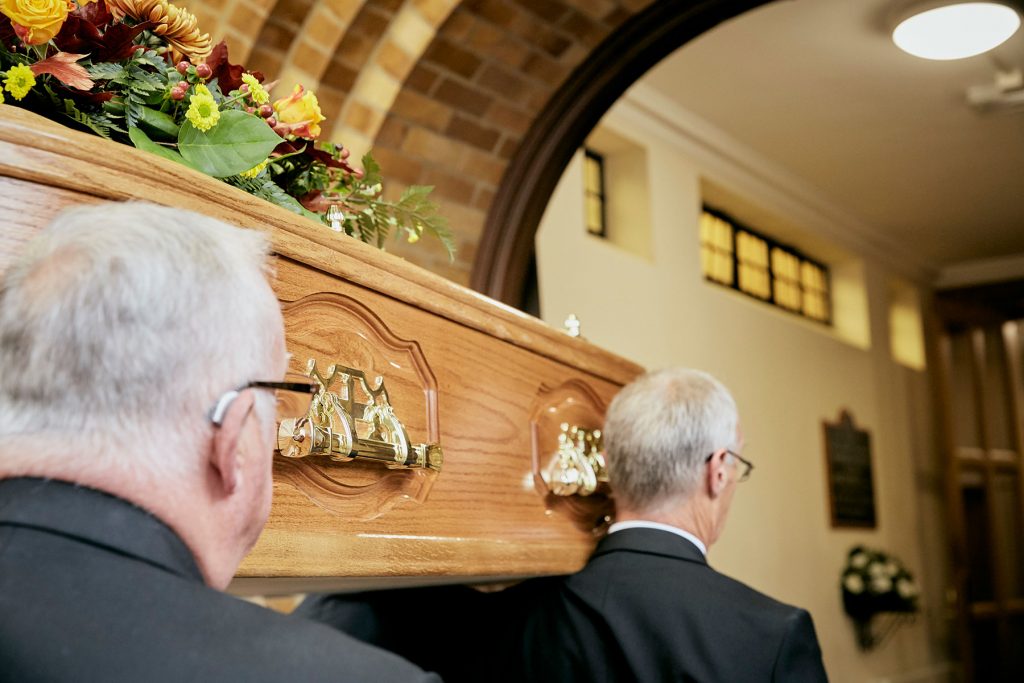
<point x="333" y="328"/>
<point x="490" y="385"/>
<point x="573" y="404"/>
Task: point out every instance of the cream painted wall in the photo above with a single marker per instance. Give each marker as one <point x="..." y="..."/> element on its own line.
<point x="787" y="376"/>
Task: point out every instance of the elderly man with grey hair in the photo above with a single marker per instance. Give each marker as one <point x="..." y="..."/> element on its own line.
<point x="647" y="607"/>
<point x="140" y="349"/>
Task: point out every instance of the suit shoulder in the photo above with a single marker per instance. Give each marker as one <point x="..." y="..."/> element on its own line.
<point x="307" y="650"/>
<point x="754" y="598"/>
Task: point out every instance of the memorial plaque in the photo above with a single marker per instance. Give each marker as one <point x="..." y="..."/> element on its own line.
<point x="850" y="483"/>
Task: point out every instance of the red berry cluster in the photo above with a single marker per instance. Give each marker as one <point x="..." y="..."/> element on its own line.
<point x="180" y="90"/>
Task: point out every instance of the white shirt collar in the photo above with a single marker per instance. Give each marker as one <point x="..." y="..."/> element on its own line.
<point x="644" y="524"/>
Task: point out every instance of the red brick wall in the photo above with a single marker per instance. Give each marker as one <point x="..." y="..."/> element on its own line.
<point x="443" y="90"/>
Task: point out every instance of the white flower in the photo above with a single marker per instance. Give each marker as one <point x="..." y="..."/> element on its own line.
<point x="859" y="560"/>
<point x="881" y="584"/>
<point x="906" y="589"/>
<point x="891" y="568"/>
<point x="876" y="569"/>
<point x="853" y="583"/>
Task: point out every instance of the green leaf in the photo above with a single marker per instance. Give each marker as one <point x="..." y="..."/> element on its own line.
<point x="105" y="71"/>
<point x="371" y="171"/>
<point x="157" y="124"/>
<point x="97" y="123"/>
<point x="143" y="142"/>
<point x="238" y="142"/>
<point x="267" y="189"/>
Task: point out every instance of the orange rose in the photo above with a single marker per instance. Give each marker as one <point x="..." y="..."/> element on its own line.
<point x="300" y="113"/>
<point x="36" y="21"/>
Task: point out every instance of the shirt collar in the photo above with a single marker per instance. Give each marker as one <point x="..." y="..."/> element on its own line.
<point x="644" y="524"/>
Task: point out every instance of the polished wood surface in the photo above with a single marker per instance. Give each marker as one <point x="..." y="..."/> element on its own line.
<point x="38" y="150"/>
<point x="485" y="381"/>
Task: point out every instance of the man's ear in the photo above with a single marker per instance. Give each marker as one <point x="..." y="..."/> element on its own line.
<point x="717" y="474"/>
<point x="225" y="459"/>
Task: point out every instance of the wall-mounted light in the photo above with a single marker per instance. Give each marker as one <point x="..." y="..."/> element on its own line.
<point x="945" y="30"/>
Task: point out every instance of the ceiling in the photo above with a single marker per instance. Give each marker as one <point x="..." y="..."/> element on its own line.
<point x="818" y="87"/>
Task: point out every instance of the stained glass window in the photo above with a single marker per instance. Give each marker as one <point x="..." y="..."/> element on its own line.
<point x="735" y="256"/>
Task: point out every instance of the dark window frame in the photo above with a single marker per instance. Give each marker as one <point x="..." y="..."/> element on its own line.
<point x="602" y="194"/>
<point x="772" y="244"/>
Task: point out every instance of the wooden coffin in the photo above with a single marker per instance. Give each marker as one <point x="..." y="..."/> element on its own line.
<point x="489" y="385"/>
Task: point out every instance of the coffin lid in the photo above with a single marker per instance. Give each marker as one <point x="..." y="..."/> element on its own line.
<point x="38" y="150"/>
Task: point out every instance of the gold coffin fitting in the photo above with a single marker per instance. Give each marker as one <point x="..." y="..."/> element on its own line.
<point x="340" y="428"/>
<point x="578" y="465"/>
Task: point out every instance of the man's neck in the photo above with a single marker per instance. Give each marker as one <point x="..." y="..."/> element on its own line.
<point x="682" y="516"/>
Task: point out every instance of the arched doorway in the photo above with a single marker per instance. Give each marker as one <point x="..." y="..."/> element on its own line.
<point x="506" y="248"/>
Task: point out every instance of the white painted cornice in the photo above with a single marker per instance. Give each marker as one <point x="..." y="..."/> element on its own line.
<point x="734" y="165"/>
<point x="981" y="271"/>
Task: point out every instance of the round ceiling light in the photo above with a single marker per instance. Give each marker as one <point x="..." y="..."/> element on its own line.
<point x="956" y="31"/>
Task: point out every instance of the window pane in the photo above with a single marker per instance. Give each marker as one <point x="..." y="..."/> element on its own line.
<point x="723" y="235"/>
<point x="754" y="280"/>
<point x="814" y="306"/>
<point x="751" y="249"/>
<point x="812" y="275"/>
<point x="762" y="268"/>
<point x="594" y="214"/>
<point x="592" y="175"/>
<point x="707" y="228"/>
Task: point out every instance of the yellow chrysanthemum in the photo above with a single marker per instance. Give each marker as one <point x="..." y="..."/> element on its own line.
<point x="203" y="112"/>
<point x="257" y="92"/>
<point x="255" y="170"/>
<point x="200" y="89"/>
<point x="19" y="81"/>
<point x="1" y="95"/>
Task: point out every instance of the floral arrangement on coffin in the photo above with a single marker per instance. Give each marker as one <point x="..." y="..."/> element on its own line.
<point x="873" y="583"/>
<point x="140" y="72"/>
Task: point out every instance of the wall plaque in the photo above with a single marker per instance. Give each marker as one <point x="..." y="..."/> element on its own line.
<point x="850" y="483"/>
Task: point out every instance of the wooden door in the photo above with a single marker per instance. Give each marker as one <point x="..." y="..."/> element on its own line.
<point x="983" y="401"/>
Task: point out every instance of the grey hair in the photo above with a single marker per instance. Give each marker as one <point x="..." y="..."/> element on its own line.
<point x="660" y="429"/>
<point x="120" y="324"/>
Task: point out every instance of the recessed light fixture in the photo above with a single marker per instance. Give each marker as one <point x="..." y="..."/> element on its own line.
<point x="940" y="30"/>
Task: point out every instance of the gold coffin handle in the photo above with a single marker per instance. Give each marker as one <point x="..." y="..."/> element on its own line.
<point x="338" y="427"/>
<point x="578" y="465"/>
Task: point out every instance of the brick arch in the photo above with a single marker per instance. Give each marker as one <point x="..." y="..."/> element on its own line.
<point x="323" y="28"/>
<point x="239" y="22"/>
<point x="506" y="247"/>
<point x="399" y="48"/>
<point x="486" y="101"/>
<point x="465" y="107"/>
<point x="274" y="35"/>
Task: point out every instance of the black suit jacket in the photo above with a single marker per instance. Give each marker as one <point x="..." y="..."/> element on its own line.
<point x="93" y="588"/>
<point x="647" y="607"/>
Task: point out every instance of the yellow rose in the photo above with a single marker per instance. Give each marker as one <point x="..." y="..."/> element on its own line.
<point x="300" y="113"/>
<point x="36" y="21"/>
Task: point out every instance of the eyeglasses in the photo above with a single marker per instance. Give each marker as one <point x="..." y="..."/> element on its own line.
<point x="747" y="465"/>
<point x="299" y="396"/>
